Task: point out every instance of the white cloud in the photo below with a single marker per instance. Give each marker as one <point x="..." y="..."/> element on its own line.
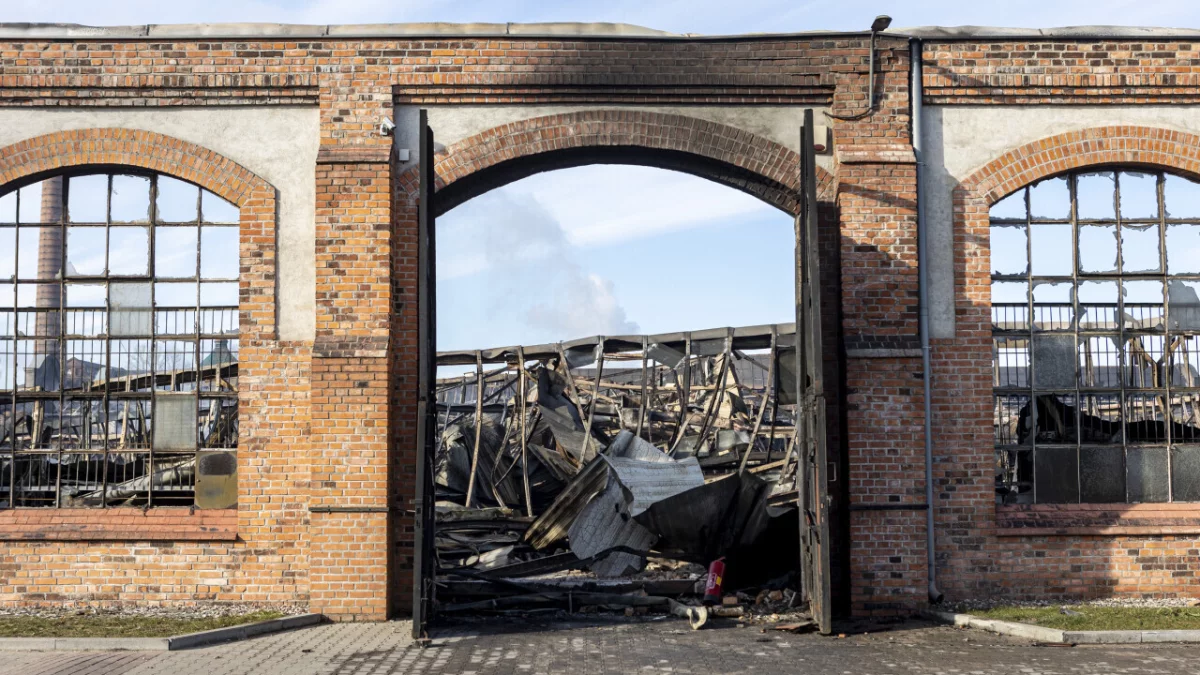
<point x="581" y="305"/>
<point x="519" y="257"/>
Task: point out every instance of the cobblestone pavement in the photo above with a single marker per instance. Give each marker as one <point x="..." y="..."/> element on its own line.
<point x="518" y="647"/>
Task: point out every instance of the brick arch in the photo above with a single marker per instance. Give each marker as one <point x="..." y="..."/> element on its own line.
<point x="724" y="154"/>
<point x="1099" y="146"/>
<point x="34" y="158"/>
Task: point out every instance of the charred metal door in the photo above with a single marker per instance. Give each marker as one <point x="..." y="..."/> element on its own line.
<point x="423" y="553"/>
<point x="810" y="411"/>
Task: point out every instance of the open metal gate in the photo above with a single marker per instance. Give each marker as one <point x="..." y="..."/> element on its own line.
<point x="423" y="558"/>
<point x="812" y="481"/>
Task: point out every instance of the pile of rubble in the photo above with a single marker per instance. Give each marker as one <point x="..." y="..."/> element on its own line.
<point x="610" y="472"/>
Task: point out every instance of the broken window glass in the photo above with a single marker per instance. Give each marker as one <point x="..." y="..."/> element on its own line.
<point x="1139" y="196"/>
<point x="131" y="424"/>
<point x="1181" y="197"/>
<point x="175" y="365"/>
<point x="85" y="250"/>
<point x="1144" y="362"/>
<point x="1143" y="301"/>
<point x="1185" y="365"/>
<point x="1009" y="247"/>
<point x="1098" y="248"/>
<point x="1010" y="305"/>
<point x="130" y="199"/>
<point x="219" y="253"/>
<point x="213" y="209"/>
<point x="129" y="251"/>
<point x="175" y="250"/>
<point x="1145" y="418"/>
<point x="1099" y="362"/>
<point x="1011" y="362"/>
<point x="1183" y="249"/>
<point x="1183" y="303"/>
<point x="1012" y="419"/>
<point x="218" y="423"/>
<point x="1139" y="249"/>
<point x="174" y="478"/>
<point x="218" y="365"/>
<point x="1100" y="418"/>
<point x="1098" y="305"/>
<point x="39" y="253"/>
<point x="1095" y="196"/>
<point x="1052" y="306"/>
<point x="1050" y="199"/>
<point x="88" y="199"/>
<point x="86" y="312"/>
<point x="177" y="201"/>
<point x="1051" y="247"/>
<point x="1011" y="207"/>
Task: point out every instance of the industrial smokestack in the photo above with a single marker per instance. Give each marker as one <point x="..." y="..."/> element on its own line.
<point x="49" y="295"/>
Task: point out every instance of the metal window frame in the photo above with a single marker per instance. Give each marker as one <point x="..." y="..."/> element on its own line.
<point x="1161" y="395"/>
<point x="226" y="318"/>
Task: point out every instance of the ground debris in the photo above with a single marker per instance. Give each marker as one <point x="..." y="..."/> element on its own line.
<point x="575" y="469"/>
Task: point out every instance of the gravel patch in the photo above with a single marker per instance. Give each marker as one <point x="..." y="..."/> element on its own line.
<point x="205" y="611"/>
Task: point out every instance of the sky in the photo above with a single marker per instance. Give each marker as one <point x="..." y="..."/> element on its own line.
<point x="613" y="249"/>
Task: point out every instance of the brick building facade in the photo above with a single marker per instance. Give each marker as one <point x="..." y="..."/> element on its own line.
<point x="283" y="123"/>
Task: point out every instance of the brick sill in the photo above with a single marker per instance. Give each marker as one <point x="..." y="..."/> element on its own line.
<point x="118" y="524"/>
<point x="1035" y="520"/>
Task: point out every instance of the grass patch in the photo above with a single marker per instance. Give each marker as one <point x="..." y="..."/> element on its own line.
<point x="1099" y="618"/>
<point x="102" y="626"/>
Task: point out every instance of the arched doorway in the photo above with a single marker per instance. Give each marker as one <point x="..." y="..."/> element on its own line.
<point x="567" y="383"/>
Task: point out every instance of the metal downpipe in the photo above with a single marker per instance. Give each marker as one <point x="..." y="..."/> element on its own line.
<point x="935" y="595"/>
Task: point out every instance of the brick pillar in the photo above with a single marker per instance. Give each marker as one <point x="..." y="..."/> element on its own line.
<point x="351" y="380"/>
<point x="877" y="186"/>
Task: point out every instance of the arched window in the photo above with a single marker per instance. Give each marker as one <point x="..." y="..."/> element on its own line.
<point x="118" y="343"/>
<point x="1096" y="339"/>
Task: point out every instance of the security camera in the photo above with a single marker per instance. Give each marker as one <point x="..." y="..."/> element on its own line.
<point x="387" y="127"/>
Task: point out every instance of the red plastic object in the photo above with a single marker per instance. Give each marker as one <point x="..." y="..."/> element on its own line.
<point x="712" y="587"/>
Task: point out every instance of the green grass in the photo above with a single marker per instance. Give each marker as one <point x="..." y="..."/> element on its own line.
<point x="120" y="626"/>
<point x="1099" y="618"/>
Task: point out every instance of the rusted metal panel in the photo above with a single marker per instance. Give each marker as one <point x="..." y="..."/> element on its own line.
<point x="216" y="480"/>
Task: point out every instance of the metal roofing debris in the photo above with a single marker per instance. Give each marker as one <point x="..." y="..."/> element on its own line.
<point x="599" y="433"/>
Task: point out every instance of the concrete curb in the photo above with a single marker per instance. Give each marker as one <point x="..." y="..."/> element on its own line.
<point x="201" y="639"/>
<point x="1075" y="637"/>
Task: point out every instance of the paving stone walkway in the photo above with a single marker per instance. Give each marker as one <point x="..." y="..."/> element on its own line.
<point x="516" y="647"/>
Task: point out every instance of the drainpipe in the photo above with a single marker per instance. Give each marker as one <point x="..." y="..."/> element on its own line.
<point x="935" y="596"/>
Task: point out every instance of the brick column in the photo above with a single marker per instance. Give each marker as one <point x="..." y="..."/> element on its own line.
<point x="349" y="551"/>
<point x="877" y="207"/>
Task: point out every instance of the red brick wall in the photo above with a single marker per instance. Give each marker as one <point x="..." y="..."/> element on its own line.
<point x="327" y="453"/>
